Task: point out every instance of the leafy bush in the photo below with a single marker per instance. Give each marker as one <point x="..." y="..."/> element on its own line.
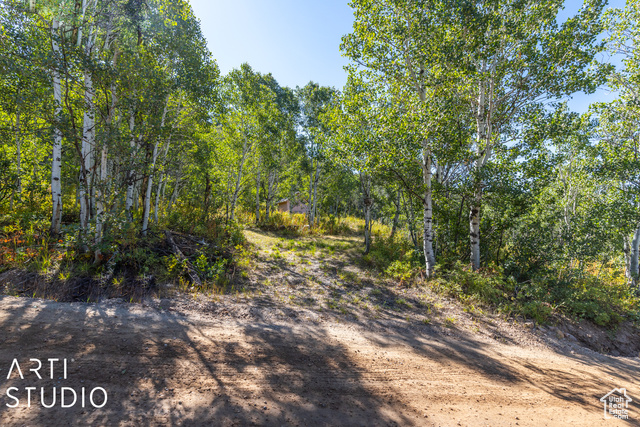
<point x="400" y="270"/>
<point x="606" y="299"/>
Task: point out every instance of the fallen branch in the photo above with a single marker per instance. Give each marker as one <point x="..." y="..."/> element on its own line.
<point x="191" y="270"/>
<point x="188" y="237"/>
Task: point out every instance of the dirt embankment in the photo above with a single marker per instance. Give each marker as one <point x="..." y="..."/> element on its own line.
<point x="165" y="365"/>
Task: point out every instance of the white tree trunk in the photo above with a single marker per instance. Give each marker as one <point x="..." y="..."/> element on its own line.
<point x="102" y="187"/>
<point x="18" y="184"/>
<point x="365" y="182"/>
<point x="273" y="176"/>
<point x="147" y="197"/>
<point x="88" y="146"/>
<point x="310" y="206"/>
<point x="56" y="164"/>
<point x="84" y="10"/>
<point x="258" y="193"/>
<point x="88" y="140"/>
<point x="100" y="200"/>
<point x="633" y="257"/>
<point x="474" y="229"/>
<point x="396" y="217"/>
<point x="87" y="194"/>
<point x="315" y="193"/>
<point x="131" y="174"/>
<point x="175" y="193"/>
<point x="627" y="258"/>
<point x="429" y="255"/>
<point x="236" y="192"/>
<point x="484" y="112"/>
<point x="162" y="182"/>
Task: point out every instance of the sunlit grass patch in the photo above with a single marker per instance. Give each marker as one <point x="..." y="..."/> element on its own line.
<point x="450" y="322"/>
<point x="350" y="277"/>
<point x="402" y="302"/>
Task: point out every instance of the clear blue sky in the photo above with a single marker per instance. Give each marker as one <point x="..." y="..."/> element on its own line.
<point x="298" y="40"/>
<point x="295" y="40"/>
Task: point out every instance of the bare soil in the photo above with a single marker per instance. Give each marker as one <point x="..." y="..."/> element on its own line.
<point x="163" y="365"/>
<point x="310" y="336"/>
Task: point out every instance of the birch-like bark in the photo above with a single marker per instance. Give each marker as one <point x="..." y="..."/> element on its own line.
<point x="426" y="163"/>
<point x="88" y="140"/>
<point x="408" y="207"/>
<point x="258" y="192"/>
<point x="18" y="188"/>
<point x="162" y="183"/>
<point x="84" y="10"/>
<point x="474" y="228"/>
<point x="429" y="256"/>
<point x="56" y="164"/>
<point x="88" y="145"/>
<point x="236" y="192"/>
<point x="100" y="200"/>
<point x="315" y="193"/>
<point x="147" y="197"/>
<point x="633" y="257"/>
<point x="136" y="195"/>
<point x="627" y="258"/>
<point x="175" y="193"/>
<point x="104" y="166"/>
<point x="270" y="190"/>
<point x="159" y="192"/>
<point x="310" y="206"/>
<point x="396" y="217"/>
<point x="365" y="182"/>
<point x="131" y="174"/>
<point x="484" y="114"/>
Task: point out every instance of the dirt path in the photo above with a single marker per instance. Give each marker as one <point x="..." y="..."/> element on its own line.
<point x="179" y="367"/>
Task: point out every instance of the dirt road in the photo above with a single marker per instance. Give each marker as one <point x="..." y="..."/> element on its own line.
<point x="165" y="367"/>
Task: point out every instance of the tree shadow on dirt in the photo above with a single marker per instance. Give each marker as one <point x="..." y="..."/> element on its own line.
<point x="159" y="369"/>
<point x="164" y="367"/>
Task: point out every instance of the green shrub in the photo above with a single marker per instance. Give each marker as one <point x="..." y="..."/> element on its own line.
<point x="395" y="258"/>
<point x="604" y="299"/>
<point x="400" y="270"/>
<point x="538" y="311"/>
<point x="487" y="285"/>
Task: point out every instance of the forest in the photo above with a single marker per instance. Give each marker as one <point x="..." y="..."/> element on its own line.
<point x="451" y="152"/>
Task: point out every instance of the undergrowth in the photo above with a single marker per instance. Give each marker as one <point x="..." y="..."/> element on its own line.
<point x="133" y="266"/>
<point x="606" y="301"/>
<point x="66" y="268"/>
<point x="296" y="225"/>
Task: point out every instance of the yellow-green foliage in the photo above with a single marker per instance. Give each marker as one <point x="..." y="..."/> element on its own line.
<point x="285" y="220"/>
<point x="215" y="230"/>
<point x="298" y="224"/>
<point x="601" y="296"/>
<point x="488" y="284"/>
<point x="400" y="270"/>
<point x="395" y="257"/>
<point x="598" y="294"/>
